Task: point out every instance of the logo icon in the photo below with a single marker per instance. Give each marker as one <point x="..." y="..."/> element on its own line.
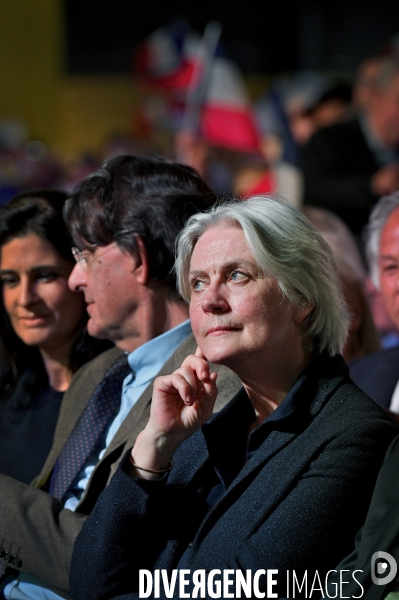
<point x="383" y="568"/>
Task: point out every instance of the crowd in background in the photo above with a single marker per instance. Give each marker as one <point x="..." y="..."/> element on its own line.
<point x="293" y="159"/>
<point x="326" y="145"/>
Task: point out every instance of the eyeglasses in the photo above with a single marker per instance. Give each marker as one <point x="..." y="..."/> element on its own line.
<point x="82" y="256"/>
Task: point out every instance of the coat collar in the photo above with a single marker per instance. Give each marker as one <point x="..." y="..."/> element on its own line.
<point x="304" y="401"/>
<point x="302" y="404"/>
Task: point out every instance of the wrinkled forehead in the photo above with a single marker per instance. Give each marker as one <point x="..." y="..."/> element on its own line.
<point x="225" y="230"/>
<point x="224" y="227"/>
<point x="223" y="246"/>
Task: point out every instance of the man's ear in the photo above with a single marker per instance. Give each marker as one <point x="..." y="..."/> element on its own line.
<point x="140" y="262"/>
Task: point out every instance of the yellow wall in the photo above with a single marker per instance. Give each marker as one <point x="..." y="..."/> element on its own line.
<point x="30" y="63"/>
<point x="72" y="113"/>
<point x="90" y="108"/>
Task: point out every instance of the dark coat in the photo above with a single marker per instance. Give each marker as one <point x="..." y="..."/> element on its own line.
<point x="338" y="166"/>
<point x="377" y="374"/>
<point x="379" y="533"/>
<point x="27" y="423"/>
<point x="296" y="504"/>
<point x="35" y="525"/>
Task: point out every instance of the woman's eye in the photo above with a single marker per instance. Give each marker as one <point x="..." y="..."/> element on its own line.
<point x="46" y="276"/>
<point x="238" y="276"/>
<point x="8" y="281"/>
<point x="197" y="285"/>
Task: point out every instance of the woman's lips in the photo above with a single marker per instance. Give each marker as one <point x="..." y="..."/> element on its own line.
<point x="214" y="331"/>
<point x="34" y="321"/>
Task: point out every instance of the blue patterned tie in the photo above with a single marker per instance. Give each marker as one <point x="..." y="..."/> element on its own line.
<point x="86" y="435"/>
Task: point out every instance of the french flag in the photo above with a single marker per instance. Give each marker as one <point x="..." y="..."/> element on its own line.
<point x="165" y="60"/>
<point x="217" y="107"/>
<point x="227" y="119"/>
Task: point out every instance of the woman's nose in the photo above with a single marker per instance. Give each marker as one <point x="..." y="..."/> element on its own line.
<point x="27" y="293"/>
<point x="214" y="299"/>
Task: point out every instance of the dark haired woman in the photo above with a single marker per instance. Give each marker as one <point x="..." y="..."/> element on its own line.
<point x="43" y="337"/>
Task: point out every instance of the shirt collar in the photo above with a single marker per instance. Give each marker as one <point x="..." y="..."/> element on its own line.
<point x="148" y="359"/>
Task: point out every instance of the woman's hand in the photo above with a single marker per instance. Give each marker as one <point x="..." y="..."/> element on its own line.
<point x="181" y="403"/>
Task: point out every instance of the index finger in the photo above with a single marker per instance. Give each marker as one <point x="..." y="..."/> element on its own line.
<point x="200" y="354"/>
<point x="198" y="363"/>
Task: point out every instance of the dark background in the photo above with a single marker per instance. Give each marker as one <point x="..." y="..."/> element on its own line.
<point x="262" y="37"/>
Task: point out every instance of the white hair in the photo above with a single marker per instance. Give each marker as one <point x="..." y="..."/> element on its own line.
<point x="289" y="249"/>
<point x="378" y="218"/>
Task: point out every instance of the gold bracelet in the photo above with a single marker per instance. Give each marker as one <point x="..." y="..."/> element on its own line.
<point x="152" y="470"/>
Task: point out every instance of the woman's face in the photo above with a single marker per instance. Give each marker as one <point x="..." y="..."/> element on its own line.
<point x="237" y="312"/>
<point x="43" y="311"/>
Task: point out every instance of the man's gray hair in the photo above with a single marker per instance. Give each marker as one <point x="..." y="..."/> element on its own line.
<point x="378" y="217"/>
<point x="288" y="248"/>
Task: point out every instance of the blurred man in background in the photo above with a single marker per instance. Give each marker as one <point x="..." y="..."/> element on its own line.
<point x="349" y="165"/>
<point x="378" y="373"/>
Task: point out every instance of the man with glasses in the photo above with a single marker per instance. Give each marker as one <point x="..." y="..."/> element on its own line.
<point x="124" y="220"/>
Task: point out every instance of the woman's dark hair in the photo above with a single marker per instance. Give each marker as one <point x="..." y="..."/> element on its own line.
<point x="38" y="212"/>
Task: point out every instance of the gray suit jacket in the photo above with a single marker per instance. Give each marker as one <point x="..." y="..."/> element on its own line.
<point x="33" y="525"/>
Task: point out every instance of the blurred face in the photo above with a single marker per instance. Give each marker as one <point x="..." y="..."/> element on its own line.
<point x="106" y="275"/>
<point x="389" y="265"/>
<point x="236" y="312"/>
<point x="385" y="112"/>
<point x="43" y="311"/>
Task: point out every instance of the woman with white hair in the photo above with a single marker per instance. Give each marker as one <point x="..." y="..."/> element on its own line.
<point x="280" y="478"/>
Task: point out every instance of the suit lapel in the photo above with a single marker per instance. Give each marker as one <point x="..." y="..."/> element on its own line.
<point x="126" y="435"/>
<point x="274" y="444"/>
<point x="129" y="427"/>
<point x="364" y="157"/>
<point x="378" y="375"/>
<point x="280" y="436"/>
<point x="381" y="529"/>
<point x="73" y="404"/>
<point x="386" y="377"/>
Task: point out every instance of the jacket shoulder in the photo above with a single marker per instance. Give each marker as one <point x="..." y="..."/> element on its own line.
<point x="377" y="374"/>
<point x="85" y="381"/>
<point x="98" y="364"/>
<point x="73" y="403"/>
<point x="371" y="361"/>
<point x="340" y="131"/>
